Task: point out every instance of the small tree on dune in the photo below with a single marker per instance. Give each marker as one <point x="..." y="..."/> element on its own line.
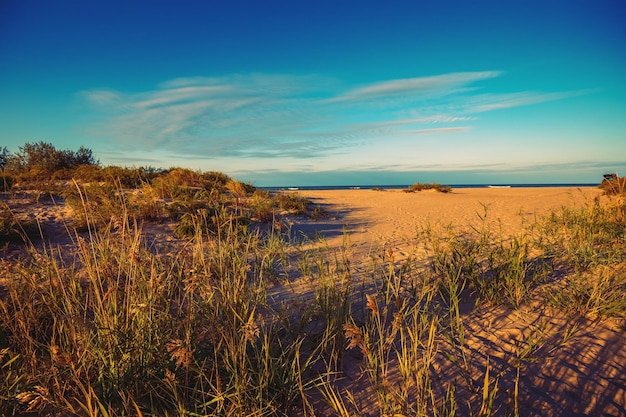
<point x="4" y="157"/>
<point x="42" y="159"/>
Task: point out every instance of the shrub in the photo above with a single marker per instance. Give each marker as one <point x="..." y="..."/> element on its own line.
<point x="265" y="207"/>
<point x="88" y="173"/>
<point x="293" y="203"/>
<point x="185" y="183"/>
<point x="95" y="205"/>
<point x="613" y="185"/>
<point x="215" y="180"/>
<point x="418" y="186"/>
<point x="239" y="189"/>
<point x="261" y="207"/>
<point x="200" y="221"/>
<point x="178" y="183"/>
<point x="129" y="177"/>
<point x="144" y="204"/>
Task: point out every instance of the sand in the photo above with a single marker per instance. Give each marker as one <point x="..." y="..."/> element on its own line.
<point x="583" y="377"/>
<point x="393" y="218"/>
<point x="391" y="213"/>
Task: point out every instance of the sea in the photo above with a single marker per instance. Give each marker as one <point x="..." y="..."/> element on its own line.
<point x="404" y="186"/>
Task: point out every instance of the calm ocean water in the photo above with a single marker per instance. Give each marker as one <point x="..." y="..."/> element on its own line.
<point x="400" y="187"/>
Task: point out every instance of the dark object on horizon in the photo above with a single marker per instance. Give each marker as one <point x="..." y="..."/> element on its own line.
<point x="613" y="184"/>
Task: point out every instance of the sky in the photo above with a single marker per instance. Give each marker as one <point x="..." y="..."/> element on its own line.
<point x="287" y="93"/>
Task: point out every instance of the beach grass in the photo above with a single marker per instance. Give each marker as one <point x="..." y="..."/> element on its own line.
<point x="240" y="318"/>
<point x="418" y="186"/>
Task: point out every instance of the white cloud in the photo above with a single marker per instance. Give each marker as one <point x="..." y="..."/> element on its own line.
<point x="440" y="118"/>
<point x="438" y="130"/>
<point x="440" y="84"/>
<point x="286" y="116"/>
<point x="489" y="102"/>
<point x="181" y="95"/>
<point x="102" y="98"/>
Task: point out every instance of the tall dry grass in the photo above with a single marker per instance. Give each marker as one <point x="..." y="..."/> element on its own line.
<point x="121" y="328"/>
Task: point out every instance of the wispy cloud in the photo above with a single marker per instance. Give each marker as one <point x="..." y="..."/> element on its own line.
<point x="489" y="102"/>
<point x="438" y="130"/>
<point x="202" y="115"/>
<point x="301" y="117"/>
<point x="434" y="119"/>
<point x="438" y="84"/>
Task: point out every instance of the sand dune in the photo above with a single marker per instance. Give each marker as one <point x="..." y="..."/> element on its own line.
<point x="581" y="377"/>
<point x="394" y="218"/>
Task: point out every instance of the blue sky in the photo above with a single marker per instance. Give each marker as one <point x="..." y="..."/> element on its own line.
<point x="324" y="92"/>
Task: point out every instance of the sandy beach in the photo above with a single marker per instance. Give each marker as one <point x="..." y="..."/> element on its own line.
<point x="392" y="217"/>
<point x="579" y="378"/>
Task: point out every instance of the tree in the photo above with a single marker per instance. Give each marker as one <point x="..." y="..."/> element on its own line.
<point x="40" y="158"/>
<point x="5" y="155"/>
<point x="84" y="156"/>
<point x="43" y="158"/>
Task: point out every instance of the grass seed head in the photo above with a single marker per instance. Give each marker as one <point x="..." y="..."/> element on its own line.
<point x="354" y="335"/>
<point x="179" y="353"/>
<point x="250" y="330"/>
<point x="371" y="304"/>
<point x="35" y="400"/>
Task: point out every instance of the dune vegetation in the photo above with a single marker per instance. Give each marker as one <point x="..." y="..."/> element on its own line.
<point x="419" y="186"/>
<point x="237" y="315"/>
